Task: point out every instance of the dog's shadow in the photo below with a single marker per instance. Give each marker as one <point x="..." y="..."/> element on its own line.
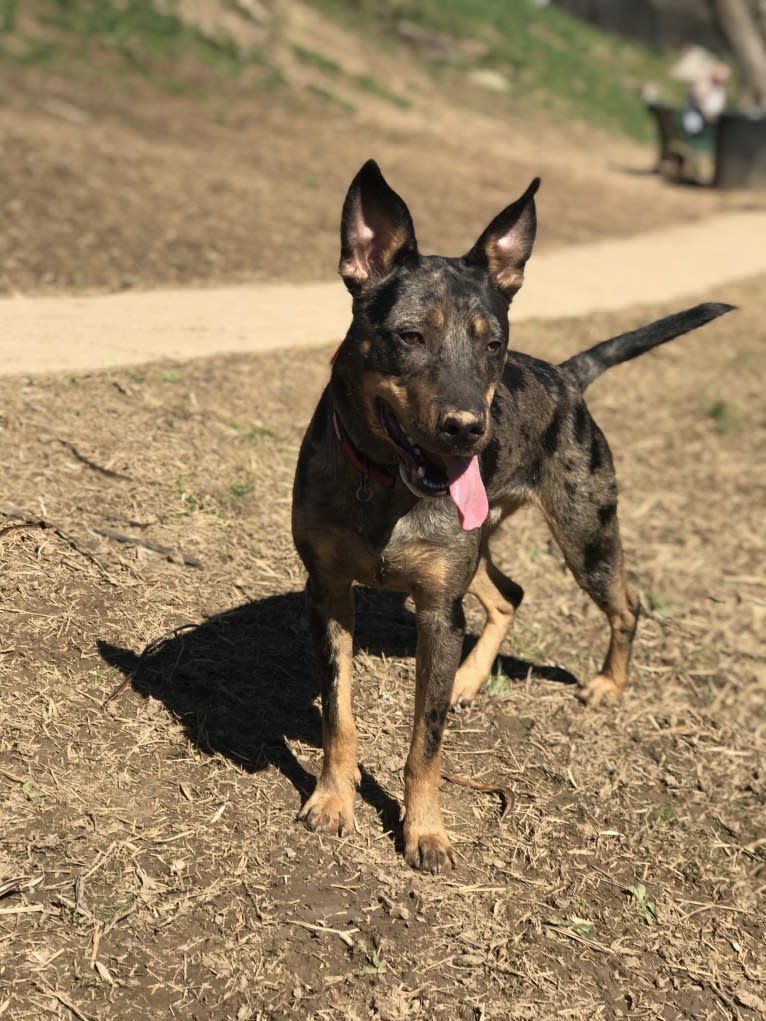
<point x="243" y="682"/>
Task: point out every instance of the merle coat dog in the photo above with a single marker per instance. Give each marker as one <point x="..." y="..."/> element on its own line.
<point x="429" y="433"/>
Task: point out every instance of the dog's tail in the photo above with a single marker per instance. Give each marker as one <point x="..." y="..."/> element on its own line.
<point x="583" y="368"/>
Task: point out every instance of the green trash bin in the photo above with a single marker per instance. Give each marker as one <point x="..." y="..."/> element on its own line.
<point x="740" y="160"/>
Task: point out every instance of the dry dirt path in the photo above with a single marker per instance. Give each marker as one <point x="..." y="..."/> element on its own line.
<point x="76" y="334"/>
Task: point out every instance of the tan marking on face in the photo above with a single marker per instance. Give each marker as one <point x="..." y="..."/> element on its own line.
<point x="365" y="346"/>
<point x="435" y="317"/>
<point x="409" y="403"/>
<point x="373" y="386"/>
<point x="480" y="327"/>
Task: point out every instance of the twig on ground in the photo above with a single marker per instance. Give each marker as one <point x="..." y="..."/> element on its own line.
<point x="47" y="526"/>
<point x="342" y="934"/>
<point x="18" y="883"/>
<point x="490" y="788"/>
<point x="173" y="555"/>
<point x="106" y="472"/>
<point x="64" y="1001"/>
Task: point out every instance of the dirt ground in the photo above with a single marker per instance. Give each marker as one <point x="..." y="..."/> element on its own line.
<point x="159" y="727"/>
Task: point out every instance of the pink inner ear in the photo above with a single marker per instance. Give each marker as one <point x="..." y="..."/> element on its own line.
<point x="361" y="237"/>
<point x="508" y="276"/>
<point x="505" y="255"/>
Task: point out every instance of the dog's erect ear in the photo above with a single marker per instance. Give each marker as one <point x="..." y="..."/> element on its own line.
<point x="376" y="232"/>
<point x="505" y="246"/>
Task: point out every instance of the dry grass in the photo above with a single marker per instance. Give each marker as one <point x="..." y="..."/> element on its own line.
<point x="150" y="865"/>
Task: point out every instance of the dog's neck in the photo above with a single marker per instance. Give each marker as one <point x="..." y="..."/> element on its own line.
<point x="367" y="468"/>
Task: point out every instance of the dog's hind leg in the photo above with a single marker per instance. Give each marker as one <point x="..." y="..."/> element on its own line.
<point x="598" y="569"/>
<point x="330" y="809"/>
<point x="500" y="598"/>
<point x="622" y="610"/>
<point x="584" y="523"/>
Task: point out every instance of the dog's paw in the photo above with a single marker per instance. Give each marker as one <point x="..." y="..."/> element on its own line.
<point x="458" y="702"/>
<point x="465" y="690"/>
<point x="429" y="852"/>
<point x="600" y="691"/>
<point x="327" y="811"/>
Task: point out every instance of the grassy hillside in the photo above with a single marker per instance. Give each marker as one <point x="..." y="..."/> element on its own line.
<point x="149" y="37"/>
<point x="540" y="57"/>
<point x="548" y="58"/>
<point x="154" y="143"/>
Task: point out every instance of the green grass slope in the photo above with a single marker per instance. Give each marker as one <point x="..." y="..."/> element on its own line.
<point x="540" y="56"/>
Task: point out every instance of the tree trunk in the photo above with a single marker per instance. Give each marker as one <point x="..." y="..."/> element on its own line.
<point x="743" y="27"/>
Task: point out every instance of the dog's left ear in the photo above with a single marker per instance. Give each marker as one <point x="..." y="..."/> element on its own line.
<point x="505" y="246"/>
<point x="376" y="231"/>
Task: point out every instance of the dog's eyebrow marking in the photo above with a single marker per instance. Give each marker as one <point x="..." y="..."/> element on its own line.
<point x="365" y="346"/>
<point x="480" y="326"/>
<point x="435" y="317"/>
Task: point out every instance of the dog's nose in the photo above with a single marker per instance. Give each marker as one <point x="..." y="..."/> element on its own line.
<point x="463" y="428"/>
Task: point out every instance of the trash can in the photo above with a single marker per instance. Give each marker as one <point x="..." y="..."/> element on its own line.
<point x="740" y="160"/>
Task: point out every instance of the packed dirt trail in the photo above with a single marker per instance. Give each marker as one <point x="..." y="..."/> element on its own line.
<point x="77" y="334"/>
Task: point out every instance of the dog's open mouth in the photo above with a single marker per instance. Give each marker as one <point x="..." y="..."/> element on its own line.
<point x="429" y="474"/>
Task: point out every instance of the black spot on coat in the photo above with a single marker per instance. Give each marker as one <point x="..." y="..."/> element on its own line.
<point x="606" y="513"/>
<point x="581" y="423"/>
<point x="596" y="452"/>
<point x="550" y="438"/>
<point x="595" y="553"/>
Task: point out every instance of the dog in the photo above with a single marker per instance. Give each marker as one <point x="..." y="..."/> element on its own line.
<point x="430" y="433"/>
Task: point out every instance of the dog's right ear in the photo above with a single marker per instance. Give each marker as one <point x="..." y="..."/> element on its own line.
<point x="376" y="231"/>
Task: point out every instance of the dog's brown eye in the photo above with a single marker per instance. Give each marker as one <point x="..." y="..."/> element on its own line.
<point x="493" y="347"/>
<point x="411" y="338"/>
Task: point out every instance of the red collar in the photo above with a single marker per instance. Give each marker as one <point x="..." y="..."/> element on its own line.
<point x="366" y="468"/>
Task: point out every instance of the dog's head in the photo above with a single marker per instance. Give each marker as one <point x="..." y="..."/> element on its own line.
<point x="427" y="343"/>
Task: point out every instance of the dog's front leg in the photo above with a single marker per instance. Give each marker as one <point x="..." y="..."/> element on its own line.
<point x="440" y="636"/>
<point x="330" y="604"/>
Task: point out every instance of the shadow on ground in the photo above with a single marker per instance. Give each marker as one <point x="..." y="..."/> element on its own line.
<point x="243" y="683"/>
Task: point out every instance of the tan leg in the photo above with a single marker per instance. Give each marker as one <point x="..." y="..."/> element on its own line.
<point x="330" y="809"/>
<point x="500" y="598"/>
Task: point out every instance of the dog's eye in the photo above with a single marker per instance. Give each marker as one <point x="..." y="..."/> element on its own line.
<point x="493" y="347"/>
<point x="411" y="338"/>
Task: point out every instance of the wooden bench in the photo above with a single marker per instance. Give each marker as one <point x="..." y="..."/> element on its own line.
<point x="683" y="156"/>
<point x="729" y="154"/>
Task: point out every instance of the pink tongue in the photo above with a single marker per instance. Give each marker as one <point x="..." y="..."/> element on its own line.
<point x="467" y="491"/>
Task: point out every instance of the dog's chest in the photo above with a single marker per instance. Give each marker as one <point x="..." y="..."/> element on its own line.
<point x="424" y="549"/>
